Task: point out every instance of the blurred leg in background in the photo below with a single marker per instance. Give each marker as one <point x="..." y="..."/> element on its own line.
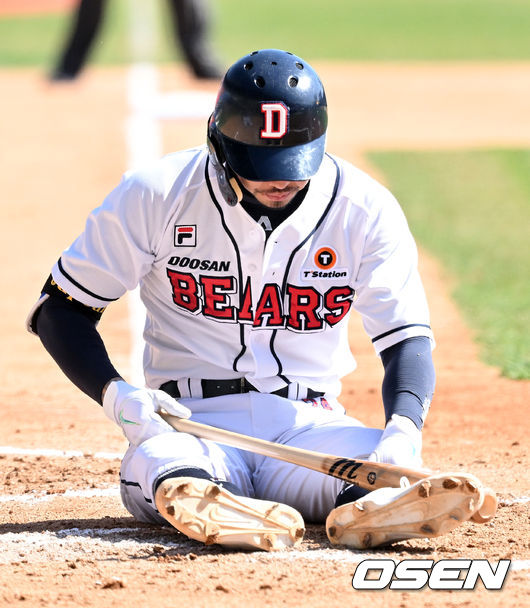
<point x="191" y="20"/>
<point x="191" y="25"/>
<point x="85" y="27"/>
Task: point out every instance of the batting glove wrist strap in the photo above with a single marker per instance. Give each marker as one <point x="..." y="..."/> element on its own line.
<point x="400" y="443"/>
<point x="135" y="410"/>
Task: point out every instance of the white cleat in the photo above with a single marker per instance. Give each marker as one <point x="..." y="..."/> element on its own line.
<point x="207" y="512"/>
<point x="431" y="507"/>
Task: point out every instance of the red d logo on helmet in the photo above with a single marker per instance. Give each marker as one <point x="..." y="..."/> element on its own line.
<point x="276" y="114"/>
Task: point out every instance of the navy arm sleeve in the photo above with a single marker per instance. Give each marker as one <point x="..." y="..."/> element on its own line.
<point x="67" y="329"/>
<point x="408" y="383"/>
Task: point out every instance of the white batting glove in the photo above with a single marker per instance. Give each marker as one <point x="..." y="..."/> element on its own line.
<point x="134" y="410"/>
<point x="400" y="444"/>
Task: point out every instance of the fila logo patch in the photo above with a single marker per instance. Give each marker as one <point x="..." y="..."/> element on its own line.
<point x="186" y="236"/>
<point x="275" y="125"/>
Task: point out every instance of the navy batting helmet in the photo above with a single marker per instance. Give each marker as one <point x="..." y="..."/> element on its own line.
<point x="270" y="118"/>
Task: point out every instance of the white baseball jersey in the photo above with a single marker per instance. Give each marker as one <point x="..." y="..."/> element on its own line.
<point x="223" y="301"/>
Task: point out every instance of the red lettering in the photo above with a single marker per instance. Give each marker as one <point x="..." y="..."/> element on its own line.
<point x="306" y="309"/>
<point x="216" y="299"/>
<point x="338" y="301"/>
<point x="304" y="304"/>
<point x="185" y="290"/>
<point x="245" y="312"/>
<point x="269" y="309"/>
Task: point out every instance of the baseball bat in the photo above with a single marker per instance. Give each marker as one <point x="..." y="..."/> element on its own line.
<point x="363" y="473"/>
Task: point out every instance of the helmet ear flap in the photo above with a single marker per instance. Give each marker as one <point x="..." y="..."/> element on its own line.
<point x="228" y="184"/>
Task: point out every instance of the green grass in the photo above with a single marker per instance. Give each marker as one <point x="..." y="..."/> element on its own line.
<point x="381" y="29"/>
<point x="471" y="209"/>
<point x="340" y="29"/>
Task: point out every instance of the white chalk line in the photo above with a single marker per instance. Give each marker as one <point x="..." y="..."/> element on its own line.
<point x="152" y="105"/>
<point x="508" y="502"/>
<point x="38" y="497"/>
<point x="143" y="144"/>
<point x="7" y="450"/>
<point x="73" y="543"/>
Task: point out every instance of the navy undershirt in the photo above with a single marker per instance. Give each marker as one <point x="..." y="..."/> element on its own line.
<point x="269" y="218"/>
<point x="71" y="338"/>
<point x="409" y="380"/>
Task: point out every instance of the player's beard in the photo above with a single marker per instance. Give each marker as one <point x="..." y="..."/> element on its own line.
<point x="277" y="197"/>
<point x="270" y="194"/>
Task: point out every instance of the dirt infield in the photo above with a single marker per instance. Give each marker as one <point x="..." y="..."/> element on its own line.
<point x="65" y="539"/>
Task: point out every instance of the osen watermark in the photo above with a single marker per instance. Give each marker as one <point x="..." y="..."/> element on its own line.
<point x="414" y="574"/>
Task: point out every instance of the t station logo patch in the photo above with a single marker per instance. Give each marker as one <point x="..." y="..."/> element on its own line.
<point x="186" y="236"/>
<point x="325" y="258"/>
<point x="324" y="261"/>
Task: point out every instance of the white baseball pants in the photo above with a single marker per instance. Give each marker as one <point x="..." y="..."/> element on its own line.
<point x="302" y="424"/>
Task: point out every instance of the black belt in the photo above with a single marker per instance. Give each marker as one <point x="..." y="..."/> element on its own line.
<point x="215" y="388"/>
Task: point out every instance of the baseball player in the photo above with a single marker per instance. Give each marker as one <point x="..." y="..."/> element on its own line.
<point x="251" y="252"/>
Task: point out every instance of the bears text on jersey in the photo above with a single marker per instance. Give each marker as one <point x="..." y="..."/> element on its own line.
<point x="300" y="308"/>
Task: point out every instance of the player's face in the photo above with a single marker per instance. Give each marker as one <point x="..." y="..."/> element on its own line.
<point x="273" y="194"/>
